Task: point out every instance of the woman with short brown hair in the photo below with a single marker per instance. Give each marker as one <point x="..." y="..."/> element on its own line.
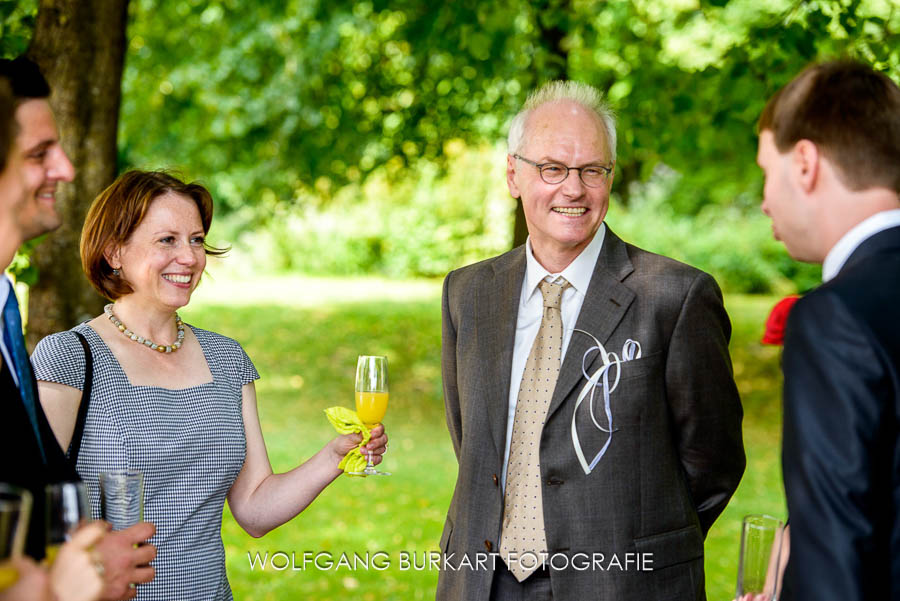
<point x="173" y="401"/>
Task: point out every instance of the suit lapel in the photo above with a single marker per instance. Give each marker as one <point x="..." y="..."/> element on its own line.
<point x="497" y="309"/>
<point x="606" y="302"/>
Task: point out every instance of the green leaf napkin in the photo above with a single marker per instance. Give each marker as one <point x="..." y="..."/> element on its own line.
<point x="346" y="421"/>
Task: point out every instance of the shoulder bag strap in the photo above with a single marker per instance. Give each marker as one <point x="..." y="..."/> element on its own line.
<point x="75" y="445"/>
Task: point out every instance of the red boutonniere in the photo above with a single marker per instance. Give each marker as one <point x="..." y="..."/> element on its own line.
<point x="778" y="320"/>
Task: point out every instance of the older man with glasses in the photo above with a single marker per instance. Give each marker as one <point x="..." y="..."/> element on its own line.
<point x="588" y="390"/>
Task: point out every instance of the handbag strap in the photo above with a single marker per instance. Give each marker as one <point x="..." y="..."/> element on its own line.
<point x="75" y="445"/>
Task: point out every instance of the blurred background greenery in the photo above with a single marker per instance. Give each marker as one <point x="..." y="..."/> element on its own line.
<point x="364" y="139"/>
<point x="361" y="137"/>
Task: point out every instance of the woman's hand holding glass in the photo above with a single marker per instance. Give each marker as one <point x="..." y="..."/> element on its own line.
<point x="376" y="447"/>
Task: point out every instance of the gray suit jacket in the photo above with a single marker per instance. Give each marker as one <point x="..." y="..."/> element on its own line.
<point x="676" y="455"/>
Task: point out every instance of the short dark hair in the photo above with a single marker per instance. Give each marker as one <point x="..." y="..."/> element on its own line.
<point x="117" y="212"/>
<point x="851" y="112"/>
<point x="8" y="125"/>
<point x="25" y="78"/>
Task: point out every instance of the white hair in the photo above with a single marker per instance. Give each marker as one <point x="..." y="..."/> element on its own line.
<point x="581" y="93"/>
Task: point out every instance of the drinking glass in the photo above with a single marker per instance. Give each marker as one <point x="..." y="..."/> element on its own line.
<point x="15" y="510"/>
<point x="758" y="566"/>
<point x="371" y="399"/>
<point x="68" y="508"/>
<point x="122" y="498"/>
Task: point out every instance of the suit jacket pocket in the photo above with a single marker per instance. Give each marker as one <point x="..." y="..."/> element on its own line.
<point x="673" y="547"/>
<point x="638" y="368"/>
<point x="639" y="387"/>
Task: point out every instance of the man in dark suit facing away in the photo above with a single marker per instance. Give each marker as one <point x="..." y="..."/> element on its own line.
<point x="829" y="146"/>
<point x="588" y="390"/>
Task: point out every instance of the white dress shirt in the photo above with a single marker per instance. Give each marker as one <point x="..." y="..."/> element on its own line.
<point x="531" y="310"/>
<point x="850" y="241"/>
<point x="6" y="288"/>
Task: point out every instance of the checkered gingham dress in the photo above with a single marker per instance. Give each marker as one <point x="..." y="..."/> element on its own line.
<point x="189" y="444"/>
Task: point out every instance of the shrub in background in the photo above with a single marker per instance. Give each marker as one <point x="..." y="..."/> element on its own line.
<point x="441" y="220"/>
<point x="734" y="244"/>
<point x="405" y="227"/>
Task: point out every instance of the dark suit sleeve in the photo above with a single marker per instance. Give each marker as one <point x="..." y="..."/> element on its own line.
<point x="704" y="400"/>
<point x="837" y="465"/>
<point x="448" y="369"/>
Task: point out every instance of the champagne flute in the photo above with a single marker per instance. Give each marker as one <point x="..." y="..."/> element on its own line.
<point x="371" y="399"/>
<point x="15" y="510"/>
<point x="759" y="561"/>
<point x="122" y="498"/>
<point x="68" y="508"/>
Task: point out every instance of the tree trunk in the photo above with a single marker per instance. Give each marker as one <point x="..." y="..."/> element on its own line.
<point x="552" y="63"/>
<point x="80" y="48"/>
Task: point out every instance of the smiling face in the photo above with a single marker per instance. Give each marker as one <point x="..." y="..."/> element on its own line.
<point x="792" y="215"/>
<point x="164" y="257"/>
<point x="562" y="218"/>
<point x="40" y="163"/>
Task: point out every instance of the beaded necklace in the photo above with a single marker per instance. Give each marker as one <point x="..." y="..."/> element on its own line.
<point x="169" y="348"/>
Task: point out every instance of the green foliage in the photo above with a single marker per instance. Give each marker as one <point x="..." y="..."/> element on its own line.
<point x="21" y="268"/>
<point x="689" y="84"/>
<point x="421" y="227"/>
<point x="301" y="97"/>
<point x="304" y="335"/>
<point x="462" y="215"/>
<point x="323" y="124"/>
<point x="733" y="244"/>
<point x="16" y="26"/>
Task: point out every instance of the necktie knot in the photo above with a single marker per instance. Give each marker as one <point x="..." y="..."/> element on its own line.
<point x="552" y="292"/>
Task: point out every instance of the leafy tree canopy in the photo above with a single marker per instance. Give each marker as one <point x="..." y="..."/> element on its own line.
<point x="284" y="101"/>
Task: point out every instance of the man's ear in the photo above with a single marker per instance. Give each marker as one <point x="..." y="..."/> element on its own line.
<point x="511" y="176"/>
<point x="806" y="164"/>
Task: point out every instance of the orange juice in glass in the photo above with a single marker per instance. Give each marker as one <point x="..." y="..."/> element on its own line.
<point x="371" y="398"/>
<point x="371" y="406"/>
<point x="15" y="512"/>
<point x="9" y="575"/>
<point x="50" y="553"/>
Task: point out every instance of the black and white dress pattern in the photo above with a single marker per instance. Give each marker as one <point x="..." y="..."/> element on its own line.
<point x="189" y="444"/>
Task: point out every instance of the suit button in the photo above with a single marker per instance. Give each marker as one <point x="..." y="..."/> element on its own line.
<point x="488" y="545"/>
<point x="496" y="480"/>
<point x="554" y="482"/>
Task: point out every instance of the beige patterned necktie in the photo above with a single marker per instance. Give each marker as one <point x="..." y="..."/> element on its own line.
<point x="523" y="510"/>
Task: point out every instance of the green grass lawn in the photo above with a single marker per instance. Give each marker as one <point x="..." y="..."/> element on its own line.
<point x="304" y="334"/>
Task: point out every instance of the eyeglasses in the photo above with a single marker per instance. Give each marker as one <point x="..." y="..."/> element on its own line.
<point x="592" y="176"/>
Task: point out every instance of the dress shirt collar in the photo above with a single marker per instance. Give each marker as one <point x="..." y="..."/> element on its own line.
<point x="6" y="288"/>
<point x="850" y="241"/>
<point x="578" y="273"/>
